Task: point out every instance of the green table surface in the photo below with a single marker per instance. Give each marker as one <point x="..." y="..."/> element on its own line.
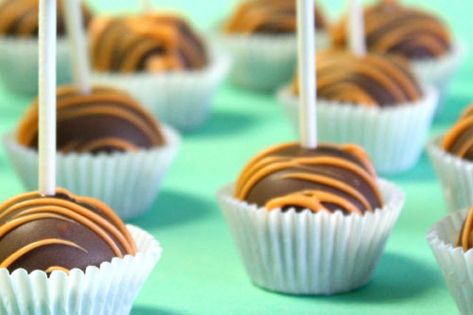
<point x="200" y="272"/>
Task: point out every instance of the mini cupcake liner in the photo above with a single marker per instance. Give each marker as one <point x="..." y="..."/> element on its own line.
<point x="108" y="289"/>
<point x="128" y="182"/>
<point x="456" y="265"/>
<point x="265" y="62"/>
<point x="307" y="253"/>
<point x="19" y="64"/>
<point x="394" y="137"/>
<point x="455" y="174"/>
<point x="439" y="72"/>
<point x="182" y="99"/>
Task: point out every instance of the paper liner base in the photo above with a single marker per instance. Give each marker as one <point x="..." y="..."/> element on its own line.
<point x="19" y="64"/>
<point x="394" y="137"/>
<point x="265" y="62"/>
<point x="181" y="99"/>
<point x="456" y="265"/>
<point x="310" y="254"/>
<point x="128" y="182"/>
<point x="439" y="73"/>
<point x="455" y="175"/>
<point x="109" y="289"/>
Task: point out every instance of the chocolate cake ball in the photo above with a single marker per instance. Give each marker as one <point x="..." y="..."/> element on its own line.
<point x="268" y="17"/>
<point x="391" y="28"/>
<point x="104" y="121"/>
<point x="371" y="80"/>
<point x="147" y="43"/>
<point x="459" y="140"/>
<point x="20" y="18"/>
<point x="328" y="178"/>
<point x="60" y="232"/>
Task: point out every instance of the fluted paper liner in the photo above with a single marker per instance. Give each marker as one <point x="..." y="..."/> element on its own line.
<point x="439" y="72"/>
<point x="265" y="62"/>
<point x="108" y="289"/>
<point x="127" y="181"/>
<point x="455" y="174"/>
<point x="393" y="137"/>
<point x="307" y="253"/>
<point x="181" y="99"/>
<point x="456" y="265"/>
<point x="19" y="64"/>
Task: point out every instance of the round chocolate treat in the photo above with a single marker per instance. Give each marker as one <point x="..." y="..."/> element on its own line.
<point x="459" y="140"/>
<point x="20" y="18"/>
<point x="60" y="232"/>
<point x="371" y="80"/>
<point x="395" y="29"/>
<point x="268" y="17"/>
<point x="327" y="178"/>
<point x="146" y="43"/>
<point x="104" y="121"/>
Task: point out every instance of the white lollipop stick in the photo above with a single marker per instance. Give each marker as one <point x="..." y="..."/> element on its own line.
<point x="307" y="77"/>
<point x="47" y="97"/>
<point x="357" y="29"/>
<point x="147" y="5"/>
<point x="78" y="45"/>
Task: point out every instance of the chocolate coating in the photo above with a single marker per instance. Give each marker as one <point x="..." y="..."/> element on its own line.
<point x="372" y="80"/>
<point x="328" y="178"/>
<point x="60" y="233"/>
<point x="105" y="121"/>
<point x="20" y="18"/>
<point x="268" y="17"/>
<point x="459" y="140"/>
<point x="391" y="28"/>
<point x="147" y="43"/>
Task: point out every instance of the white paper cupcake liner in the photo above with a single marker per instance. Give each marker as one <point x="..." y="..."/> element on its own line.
<point x="306" y="253"/>
<point x="19" y="64"/>
<point x="108" y="289"/>
<point x="455" y="174"/>
<point x="265" y="62"/>
<point x="181" y="99"/>
<point x="393" y="137"/>
<point x="456" y="265"/>
<point x="128" y="182"/>
<point x="440" y="72"/>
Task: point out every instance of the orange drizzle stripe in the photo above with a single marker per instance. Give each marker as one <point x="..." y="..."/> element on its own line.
<point x="342" y="163"/>
<point x="465" y="238"/>
<point x="58" y="268"/>
<point x="30" y="247"/>
<point x="324" y="180"/>
<point x="451" y="137"/>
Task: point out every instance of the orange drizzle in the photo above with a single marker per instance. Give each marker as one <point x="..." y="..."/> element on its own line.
<point x="54" y="268"/>
<point x="465" y="238"/>
<point x="327" y="181"/>
<point x="311" y="200"/>
<point x="451" y="137"/>
<point x="30" y="247"/>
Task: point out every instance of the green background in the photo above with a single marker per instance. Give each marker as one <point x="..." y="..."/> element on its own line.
<point x="200" y="272"/>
